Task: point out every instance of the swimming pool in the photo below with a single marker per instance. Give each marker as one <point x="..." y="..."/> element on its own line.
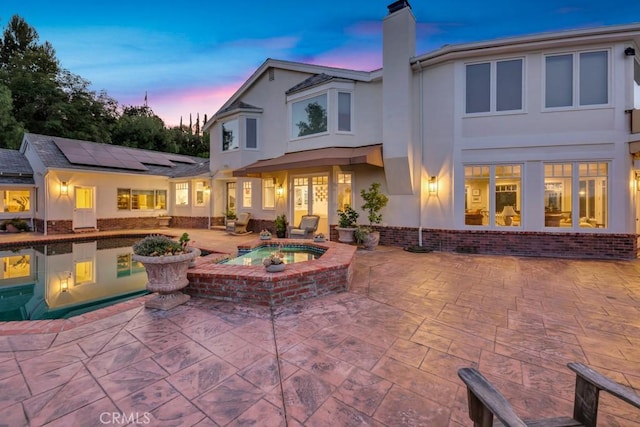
<point x="65" y="279"/>
<point x="290" y="254"/>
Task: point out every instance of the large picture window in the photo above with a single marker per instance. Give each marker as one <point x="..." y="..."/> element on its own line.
<point x="493" y="195"/>
<point x="15" y="201"/>
<point x="309" y="116"/>
<point x="230" y="135"/>
<point x="576" y="195"/>
<point x="577" y="79"/>
<point x="494" y="86"/>
<point x="132" y="199"/>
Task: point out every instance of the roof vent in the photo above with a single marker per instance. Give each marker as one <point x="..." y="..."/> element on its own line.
<point x="398" y="5"/>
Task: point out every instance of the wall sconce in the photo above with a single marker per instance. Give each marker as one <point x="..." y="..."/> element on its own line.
<point x="433" y="185"/>
<point x="279" y="191"/>
<point x="64" y="285"/>
<point x="630" y="51"/>
<point x="64" y="188"/>
<point x="207" y="189"/>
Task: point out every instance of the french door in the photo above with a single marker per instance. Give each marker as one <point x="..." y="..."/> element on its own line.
<point x="311" y="197"/>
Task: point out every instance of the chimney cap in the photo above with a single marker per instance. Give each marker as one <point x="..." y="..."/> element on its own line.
<point x="398" y="5"/>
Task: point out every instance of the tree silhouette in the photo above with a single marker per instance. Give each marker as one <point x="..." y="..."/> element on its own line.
<point x="316" y="120"/>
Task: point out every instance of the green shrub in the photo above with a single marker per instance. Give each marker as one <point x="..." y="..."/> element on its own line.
<point x="348" y="217"/>
<point x="18" y="223"/>
<point x="157" y="245"/>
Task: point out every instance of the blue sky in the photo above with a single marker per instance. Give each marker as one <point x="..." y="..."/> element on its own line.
<point x="190" y="57"/>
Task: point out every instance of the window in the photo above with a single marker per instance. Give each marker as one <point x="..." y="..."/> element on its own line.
<point x="576" y="195"/>
<point x="345" y="190"/>
<point x="246" y="194"/>
<point x="309" y="116"/>
<point x="493" y="195"/>
<point x="199" y="199"/>
<point x="251" y="138"/>
<point x="129" y="199"/>
<point x="268" y="193"/>
<point x="142" y="199"/>
<point x="344" y="112"/>
<point x="494" y="86"/>
<point x="182" y="193"/>
<point x="124" y="199"/>
<point x="230" y="133"/>
<point x="161" y="199"/>
<point x="579" y="79"/>
<point x="636" y="84"/>
<point x="231" y="197"/>
<point x="15" y="201"/>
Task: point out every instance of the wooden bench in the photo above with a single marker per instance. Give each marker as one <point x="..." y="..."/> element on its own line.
<point x="485" y="401"/>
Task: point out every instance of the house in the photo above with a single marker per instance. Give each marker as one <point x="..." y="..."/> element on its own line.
<point x="62" y="185"/>
<point x="525" y="145"/>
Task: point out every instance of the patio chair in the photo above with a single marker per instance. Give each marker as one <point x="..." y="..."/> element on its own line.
<point x="485" y="401"/>
<point x="239" y="225"/>
<point x="306" y="229"/>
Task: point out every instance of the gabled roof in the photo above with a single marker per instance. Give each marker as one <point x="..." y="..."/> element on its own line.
<point x="312" y="81"/>
<point x="72" y="154"/>
<point x="14" y="168"/>
<point x="364" y="76"/>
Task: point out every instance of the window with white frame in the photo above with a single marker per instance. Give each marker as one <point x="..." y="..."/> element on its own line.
<point x="344" y="112"/>
<point x="268" y="193"/>
<point x="132" y="199"/>
<point x="251" y="132"/>
<point x="494" y="86"/>
<point x="636" y="84"/>
<point x="15" y="200"/>
<point x="309" y="116"/>
<point x="345" y="190"/>
<point x="246" y="194"/>
<point x="182" y="193"/>
<point x="199" y="190"/>
<point x="493" y="195"/>
<point x="577" y="79"/>
<point x="230" y="135"/>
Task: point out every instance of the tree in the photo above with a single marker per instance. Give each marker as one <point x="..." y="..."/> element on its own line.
<point x="10" y="130"/>
<point x="316" y="120"/>
<point x="140" y="127"/>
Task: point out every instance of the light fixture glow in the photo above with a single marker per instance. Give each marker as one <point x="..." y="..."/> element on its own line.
<point x="279" y="191"/>
<point x="64" y="188"/>
<point x="64" y="285"/>
<point x="433" y="185"/>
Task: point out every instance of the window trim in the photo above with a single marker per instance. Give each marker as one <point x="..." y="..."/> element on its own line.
<point x="247" y="185"/>
<point x="351" y="112"/>
<point x="273" y="187"/>
<point x="493" y="88"/>
<point x="305" y="98"/>
<point x="245" y="118"/>
<point x="129" y="193"/>
<point x="575" y="103"/>
<point x="230" y="150"/>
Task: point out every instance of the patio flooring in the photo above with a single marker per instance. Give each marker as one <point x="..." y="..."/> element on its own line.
<point x="385" y="353"/>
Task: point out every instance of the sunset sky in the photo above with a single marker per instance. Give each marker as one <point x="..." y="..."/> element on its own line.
<point x="190" y="57"/>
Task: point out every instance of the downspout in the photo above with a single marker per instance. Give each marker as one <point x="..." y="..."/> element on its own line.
<point x="421" y="124"/>
<point x="46" y="200"/>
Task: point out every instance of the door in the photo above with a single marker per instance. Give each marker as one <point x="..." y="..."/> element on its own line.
<point x="311" y="197"/>
<point x="84" y="211"/>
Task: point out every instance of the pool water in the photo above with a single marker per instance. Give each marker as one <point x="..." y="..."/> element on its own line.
<point x="291" y="254"/>
<point x="61" y="280"/>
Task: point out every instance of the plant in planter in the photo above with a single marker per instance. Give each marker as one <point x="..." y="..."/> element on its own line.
<point x="230" y="214"/>
<point x="265" y="234"/>
<point x="14" y="225"/>
<point x="347" y="219"/>
<point x="281" y="225"/>
<point x="361" y="234"/>
<point x="273" y="263"/>
<point x="166" y="262"/>
<point x="374" y="201"/>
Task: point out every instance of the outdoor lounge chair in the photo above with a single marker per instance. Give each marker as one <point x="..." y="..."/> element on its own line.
<point x="239" y="225"/>
<point x="306" y="229"/>
<point x="485" y="401"/>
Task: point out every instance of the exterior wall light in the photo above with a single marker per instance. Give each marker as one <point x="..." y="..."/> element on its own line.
<point x="433" y="185"/>
<point x="64" y="188"/>
<point x="279" y="191"/>
<point x="64" y="285"/>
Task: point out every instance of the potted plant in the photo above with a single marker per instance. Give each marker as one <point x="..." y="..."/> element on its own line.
<point x="281" y="226"/>
<point x="166" y="262"/>
<point x="347" y="219"/>
<point x="273" y="263"/>
<point x="374" y="201"/>
<point x="361" y="234"/>
<point x="14" y="225"/>
<point x="265" y="234"/>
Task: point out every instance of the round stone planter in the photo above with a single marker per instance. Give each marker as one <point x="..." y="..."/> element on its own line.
<point x="265" y="237"/>
<point x="345" y="235"/>
<point x="372" y="240"/>
<point x="167" y="276"/>
<point x="274" y="268"/>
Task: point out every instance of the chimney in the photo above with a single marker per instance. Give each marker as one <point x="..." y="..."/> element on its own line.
<point x="398" y="47"/>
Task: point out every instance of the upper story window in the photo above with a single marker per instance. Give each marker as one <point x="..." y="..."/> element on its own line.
<point x="230" y="135"/>
<point x="309" y="116"/>
<point x="636" y="84"/>
<point x="251" y="132"/>
<point x="577" y="79"/>
<point x="344" y="112"/>
<point x="494" y="86"/>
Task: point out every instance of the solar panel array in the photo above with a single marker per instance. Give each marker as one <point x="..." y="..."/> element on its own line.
<point x="114" y="156"/>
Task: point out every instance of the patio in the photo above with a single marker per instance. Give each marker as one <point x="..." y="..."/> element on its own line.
<point x="384" y="353"/>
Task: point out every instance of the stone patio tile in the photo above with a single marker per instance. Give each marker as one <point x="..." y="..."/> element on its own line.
<point x="154" y="330"/>
<point x="118" y="358"/>
<point x="30" y="342"/>
<point x="444" y="365"/>
<point x="403" y="407"/>
<point x="131" y="378"/>
<point x="8" y="368"/>
<point x="39" y="382"/>
<point x="420" y="382"/>
<point x="164" y="343"/>
<point x="224" y="344"/>
<point x="304" y="393"/>
<point x="147" y="399"/>
<point x="327" y="339"/>
<point x="97" y="414"/>
<point x="322" y="364"/>
<point x="182" y="355"/>
<point x="502" y="366"/>
<point x="176" y="412"/>
<point x="407" y="352"/>
<point x="13" y="390"/>
<point x="201" y="376"/>
<point x="52" y="360"/>
<point x="358" y="352"/>
<point x="55" y="403"/>
<point x="266" y="374"/>
<point x="335" y="413"/>
<point x="229" y="399"/>
<point x="363" y="391"/>
<point x="245" y="356"/>
<point x="14" y="416"/>
<point x="262" y="413"/>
